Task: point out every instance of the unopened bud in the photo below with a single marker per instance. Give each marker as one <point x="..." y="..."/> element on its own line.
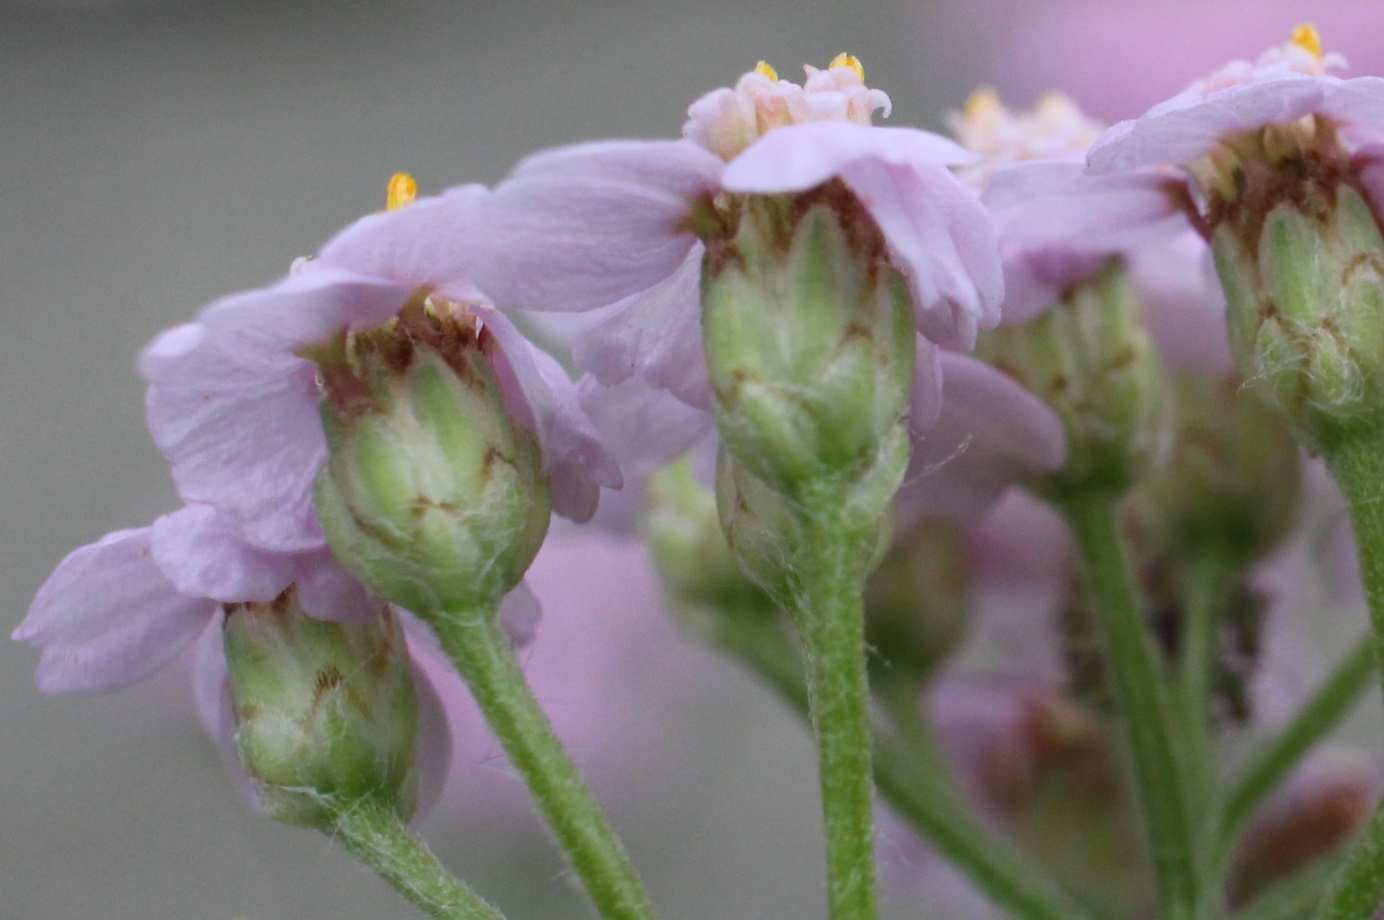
<point x="916" y="601"/>
<point x="766" y="531"/>
<point x="433" y="495"/>
<point x="326" y="713"/>
<point x="810" y="338"/>
<point x="1230" y="485"/>
<point x="687" y="543"/>
<point x="1091" y="359"/>
<point x="1305" y="292"/>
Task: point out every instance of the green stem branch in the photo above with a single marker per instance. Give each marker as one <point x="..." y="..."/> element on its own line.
<point x="1140" y="689"/>
<point x="1320" y="715"/>
<point x="478" y="646"/>
<point x="374" y="834"/>
<point x="1208" y="589"/>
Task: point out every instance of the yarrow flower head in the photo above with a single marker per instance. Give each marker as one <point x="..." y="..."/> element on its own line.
<point x="234" y="397"/>
<point x="1055" y="129"/>
<point x="727" y="121"/>
<point x="621" y="224"/>
<point x="1055" y="225"/>
<point x="1283" y="160"/>
<point x="1070" y="316"/>
<point x="634" y="231"/>
<point x="118" y="610"/>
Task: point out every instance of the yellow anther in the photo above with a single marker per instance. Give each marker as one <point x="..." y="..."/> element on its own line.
<point x="764" y="68"/>
<point x="1309" y="39"/>
<point x="982" y="101"/>
<point x="851" y="61"/>
<point x="402" y="190"/>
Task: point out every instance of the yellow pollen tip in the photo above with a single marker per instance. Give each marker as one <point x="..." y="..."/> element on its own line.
<point x="764" y="68"/>
<point x="1309" y="39"/>
<point x="851" y="61"/>
<point x="982" y="101"/>
<point x="401" y="191"/>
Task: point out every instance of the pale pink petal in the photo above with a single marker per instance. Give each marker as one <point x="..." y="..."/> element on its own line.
<point x="234" y="408"/>
<point x="1186" y="128"/>
<point x="433" y="747"/>
<point x="519" y="615"/>
<point x="925" y="399"/>
<point x="1056" y="204"/>
<point x="1184" y="305"/>
<point x="425" y="243"/>
<point x="991" y="434"/>
<point x="1371" y="162"/>
<point x="942" y="239"/>
<point x="1036" y="279"/>
<point x="539" y="393"/>
<point x="211" y="690"/>
<point x="327" y="591"/>
<point x="798" y="157"/>
<point x="199" y="552"/>
<point x="580" y="227"/>
<point x="643" y="427"/>
<point x="108" y="617"/>
<point x="1358" y="105"/>
<point x="655" y="335"/>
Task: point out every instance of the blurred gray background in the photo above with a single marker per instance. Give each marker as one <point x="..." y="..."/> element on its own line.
<point x="156" y="155"/>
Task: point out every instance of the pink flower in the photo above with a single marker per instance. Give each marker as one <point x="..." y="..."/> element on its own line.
<point x="233" y="397"/>
<point x="116" y="611"/>
<point x="1121" y="56"/>
<point x="1284" y="85"/>
<point x="616" y="223"/>
<point x="1056" y="226"/>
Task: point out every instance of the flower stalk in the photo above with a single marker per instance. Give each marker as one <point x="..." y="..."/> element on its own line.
<point x="478" y="646"/>
<point x="1141" y="689"/>
<point x="374" y="834"/>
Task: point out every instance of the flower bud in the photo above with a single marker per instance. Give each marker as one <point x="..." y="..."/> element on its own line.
<point x="687" y="543"/>
<point x="1230" y="486"/>
<point x="916" y="601"/>
<point x="705" y="591"/>
<point x="1305" y="291"/>
<point x="326" y="713"/>
<point x="766" y="533"/>
<point x="433" y="495"/>
<point x="1092" y="361"/>
<point x="809" y="337"/>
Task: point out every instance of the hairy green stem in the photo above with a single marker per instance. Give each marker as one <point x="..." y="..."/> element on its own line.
<point x="1139" y="683"/>
<point x="373" y="833"/>
<point x="927" y="801"/>
<point x="1357" y="464"/>
<point x="478" y="646"/>
<point x="830" y="618"/>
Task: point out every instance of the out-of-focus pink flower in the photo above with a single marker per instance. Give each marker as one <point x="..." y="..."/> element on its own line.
<point x="1285" y="84"/>
<point x="1118" y="57"/>
<point x="233" y="397"/>
<point x="1056" y="225"/>
<point x="1326" y="801"/>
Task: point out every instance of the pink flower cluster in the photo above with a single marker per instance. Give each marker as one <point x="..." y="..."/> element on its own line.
<point x="616" y="231"/>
